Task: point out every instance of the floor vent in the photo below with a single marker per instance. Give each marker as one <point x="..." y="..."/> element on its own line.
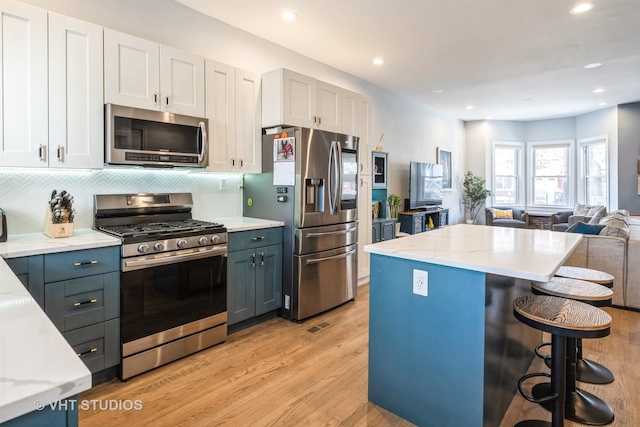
<point x="319" y="327"/>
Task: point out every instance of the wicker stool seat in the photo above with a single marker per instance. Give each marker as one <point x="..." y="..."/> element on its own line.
<point x="581" y="406"/>
<point x="562" y="318"/>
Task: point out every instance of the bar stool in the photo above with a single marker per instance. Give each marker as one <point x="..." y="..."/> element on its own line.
<point x="587" y="370"/>
<point x="562" y="318"/>
<point x="581" y="406"/>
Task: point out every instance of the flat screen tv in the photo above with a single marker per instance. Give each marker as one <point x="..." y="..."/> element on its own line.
<point x="425" y="185"/>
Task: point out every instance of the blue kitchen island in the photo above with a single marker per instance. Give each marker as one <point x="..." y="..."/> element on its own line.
<point x="454" y="357"/>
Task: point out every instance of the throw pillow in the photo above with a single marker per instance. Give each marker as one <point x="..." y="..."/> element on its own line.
<point x="581" y="210"/>
<point x="598" y="214"/>
<point x="615" y="232"/>
<point x="617" y="224"/>
<point x="584" y="228"/>
<point x="503" y="213"/>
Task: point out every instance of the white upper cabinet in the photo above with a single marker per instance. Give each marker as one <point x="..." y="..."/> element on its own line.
<point x="290" y="98"/>
<point x="181" y="82"/>
<point x="23" y="85"/>
<point x="356" y="113"/>
<point x="143" y="74"/>
<point x="233" y="110"/>
<point x="221" y="112"/>
<point x="248" y="129"/>
<point x="76" y="107"/>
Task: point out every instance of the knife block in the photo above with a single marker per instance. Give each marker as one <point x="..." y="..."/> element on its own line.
<point x="63" y="229"/>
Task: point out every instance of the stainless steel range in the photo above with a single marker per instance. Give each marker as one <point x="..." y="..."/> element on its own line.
<point x="173" y="280"/>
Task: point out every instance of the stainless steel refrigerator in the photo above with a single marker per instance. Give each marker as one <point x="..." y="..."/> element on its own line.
<point x="309" y="180"/>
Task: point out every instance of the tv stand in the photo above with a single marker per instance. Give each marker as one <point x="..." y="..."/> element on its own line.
<point x="414" y="222"/>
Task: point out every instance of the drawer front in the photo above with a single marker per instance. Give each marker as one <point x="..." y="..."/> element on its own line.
<point x="97" y="345"/>
<point x="70" y="265"/>
<point x="241" y="240"/>
<point x="76" y="303"/>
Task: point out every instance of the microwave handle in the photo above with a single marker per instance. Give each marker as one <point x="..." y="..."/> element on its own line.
<point x="202" y="135"/>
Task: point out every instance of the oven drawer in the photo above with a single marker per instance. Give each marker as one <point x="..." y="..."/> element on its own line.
<point x="97" y="345"/>
<point x="70" y="265"/>
<point x="76" y="303"/>
<point x="240" y="240"/>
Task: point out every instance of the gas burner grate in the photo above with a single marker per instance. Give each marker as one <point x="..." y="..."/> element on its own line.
<point x="152" y="228"/>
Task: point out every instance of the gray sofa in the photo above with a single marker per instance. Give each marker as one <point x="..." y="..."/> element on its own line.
<point x="520" y="218"/>
<point x="617" y="256"/>
<point x="562" y="220"/>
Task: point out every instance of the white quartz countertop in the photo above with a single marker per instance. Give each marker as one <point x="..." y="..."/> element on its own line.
<point x="37" y="243"/>
<point x="243" y="223"/>
<point x="512" y="252"/>
<point x="36" y="363"/>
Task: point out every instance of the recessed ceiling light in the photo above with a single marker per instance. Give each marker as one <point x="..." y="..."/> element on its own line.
<point x="581" y="8"/>
<point x="599" y="90"/>
<point x="602" y="104"/>
<point x="593" y="65"/>
<point x="469" y="107"/>
<point x="378" y="61"/>
<point x="289" y="16"/>
<point x="528" y="99"/>
<point x="437" y="91"/>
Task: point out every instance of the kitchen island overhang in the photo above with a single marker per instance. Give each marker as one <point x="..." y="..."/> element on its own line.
<point x="454" y="356"/>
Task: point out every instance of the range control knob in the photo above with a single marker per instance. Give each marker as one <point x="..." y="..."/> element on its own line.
<point x="215" y="239"/>
<point x="203" y="240"/>
<point x="143" y="248"/>
<point x="182" y="243"/>
<point x="159" y="246"/>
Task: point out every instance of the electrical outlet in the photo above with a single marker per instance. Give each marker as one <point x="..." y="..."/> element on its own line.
<point x="420" y="282"/>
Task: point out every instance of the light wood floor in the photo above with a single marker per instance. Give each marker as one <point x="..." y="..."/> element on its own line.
<point x="281" y="374"/>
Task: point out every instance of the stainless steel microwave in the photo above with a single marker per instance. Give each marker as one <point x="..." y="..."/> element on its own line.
<point x="134" y="136"/>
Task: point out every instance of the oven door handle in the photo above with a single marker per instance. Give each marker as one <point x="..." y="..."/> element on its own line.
<point x="129" y="265"/>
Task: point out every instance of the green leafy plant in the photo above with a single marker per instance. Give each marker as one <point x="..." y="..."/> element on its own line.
<point x="474" y="193"/>
<point x="394" y="204"/>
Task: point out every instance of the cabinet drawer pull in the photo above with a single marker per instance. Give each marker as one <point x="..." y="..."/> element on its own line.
<point x="91" y="301"/>
<point x="93" y="350"/>
<point x="257" y="238"/>
<point x="78" y="264"/>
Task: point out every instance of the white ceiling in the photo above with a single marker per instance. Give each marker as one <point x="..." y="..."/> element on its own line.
<point x="510" y="59"/>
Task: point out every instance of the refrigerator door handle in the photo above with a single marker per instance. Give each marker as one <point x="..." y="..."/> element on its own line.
<point x="317" y="260"/>
<point x="339" y="172"/>
<point x="332" y="233"/>
<point x="331" y="178"/>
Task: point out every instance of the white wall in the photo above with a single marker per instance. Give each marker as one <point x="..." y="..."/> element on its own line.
<point x="412" y="130"/>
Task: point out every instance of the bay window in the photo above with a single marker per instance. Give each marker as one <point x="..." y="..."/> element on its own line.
<point x="508" y="187"/>
<point x="593" y="161"/>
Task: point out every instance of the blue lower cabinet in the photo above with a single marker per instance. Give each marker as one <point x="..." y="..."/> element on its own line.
<point x="80" y="292"/>
<point x="30" y="271"/>
<point x="254" y="275"/>
<point x="64" y="413"/>
<point x="254" y="280"/>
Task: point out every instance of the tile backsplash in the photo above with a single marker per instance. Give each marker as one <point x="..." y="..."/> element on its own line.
<point x="24" y="193"/>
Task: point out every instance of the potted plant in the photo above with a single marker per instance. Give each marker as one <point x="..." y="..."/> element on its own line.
<point x="394" y="204"/>
<point x="474" y="194"/>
